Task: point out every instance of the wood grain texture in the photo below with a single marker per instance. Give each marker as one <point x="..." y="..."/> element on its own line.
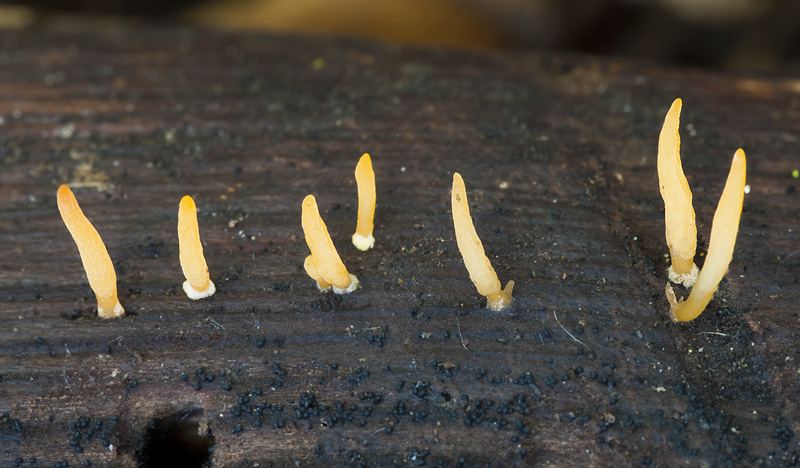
<point x="248" y="126"/>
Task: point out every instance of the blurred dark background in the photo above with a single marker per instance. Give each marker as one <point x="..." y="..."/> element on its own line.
<point x="750" y="35"/>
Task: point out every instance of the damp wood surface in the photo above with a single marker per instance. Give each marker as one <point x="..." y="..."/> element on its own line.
<point x="558" y="155"/>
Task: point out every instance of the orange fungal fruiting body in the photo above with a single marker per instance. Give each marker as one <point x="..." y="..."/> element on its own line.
<point x="325" y="262"/>
<point x="480" y="269"/>
<point x="94" y="255"/>
<point x="365" y="179"/>
<point x="681" y="231"/>
<point x="724" y="229"/>
<point x="193" y="263"/>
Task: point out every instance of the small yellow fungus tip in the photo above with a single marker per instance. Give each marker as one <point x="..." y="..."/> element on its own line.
<point x="198" y="285"/>
<point x="681" y="231"/>
<point x="365" y="179"/>
<point x="95" y="258"/>
<point x="480" y="269"/>
<point x="324" y="264"/>
<point x="724" y="229"/>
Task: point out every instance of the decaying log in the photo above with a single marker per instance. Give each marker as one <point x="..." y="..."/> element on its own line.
<point x="558" y="153"/>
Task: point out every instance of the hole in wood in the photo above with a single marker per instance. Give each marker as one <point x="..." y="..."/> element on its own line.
<point x="181" y="439"/>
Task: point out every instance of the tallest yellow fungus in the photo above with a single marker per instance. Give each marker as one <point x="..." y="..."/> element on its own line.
<point x="679" y="214"/>
<point x="365" y="179"/>
<point x="480" y="269"/>
<point x="720" y="246"/>
<point x="94" y="255"/>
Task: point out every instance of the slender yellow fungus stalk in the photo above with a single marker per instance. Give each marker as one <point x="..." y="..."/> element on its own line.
<point x="365" y="179"/>
<point x="311" y="268"/>
<point x="198" y="284"/>
<point x="325" y="262"/>
<point x="480" y="269"/>
<point x="678" y="210"/>
<point x="94" y="255"/>
<point x="720" y="246"/>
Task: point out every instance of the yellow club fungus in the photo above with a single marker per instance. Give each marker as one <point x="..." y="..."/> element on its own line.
<point x="720" y="246"/>
<point x="198" y="284"/>
<point x="365" y="179"/>
<point x="94" y="255"/>
<point x="480" y="269"/>
<point x="679" y="213"/>
<point x="324" y="263"/>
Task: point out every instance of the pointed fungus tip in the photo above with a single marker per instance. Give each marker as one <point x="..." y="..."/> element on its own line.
<point x="187" y="203"/>
<point x="469" y="244"/>
<point x="679" y="216"/>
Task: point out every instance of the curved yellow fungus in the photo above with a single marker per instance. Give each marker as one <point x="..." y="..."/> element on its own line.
<point x="365" y="179"/>
<point x="720" y="246"/>
<point x="480" y="269"/>
<point x="96" y="262"/>
<point x="678" y="211"/>
<point x="198" y="284"/>
<point x="325" y="261"/>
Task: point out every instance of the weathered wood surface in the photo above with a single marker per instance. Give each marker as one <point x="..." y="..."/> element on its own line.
<point x="558" y="154"/>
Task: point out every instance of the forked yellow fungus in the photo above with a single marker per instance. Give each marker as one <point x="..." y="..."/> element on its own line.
<point x="720" y="246"/>
<point x="365" y="179"/>
<point x="679" y="213"/>
<point x="311" y="268"/>
<point x="480" y="269"/>
<point x="94" y="255"/>
<point x="324" y="262"/>
<point x="198" y="284"/>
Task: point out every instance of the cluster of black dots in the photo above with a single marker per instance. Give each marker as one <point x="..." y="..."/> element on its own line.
<point x="251" y="411"/>
<point x="343" y="414"/>
<point x="84" y="430"/>
<point x="19" y="461"/>
<point x="279" y="379"/>
<point x="377" y="338"/>
<point x="481" y="374"/>
<point x="359" y="375"/>
<point x="485" y="413"/>
<point x="12" y="424"/>
<point x="503" y="413"/>
<point x="247" y="404"/>
<point x="784" y="435"/>
<point x="356" y="459"/>
<point x="497" y="414"/>
<point x="202" y="377"/>
<point x="445" y="368"/>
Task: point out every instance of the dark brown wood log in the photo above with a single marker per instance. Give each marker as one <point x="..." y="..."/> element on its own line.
<point x="558" y="155"/>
